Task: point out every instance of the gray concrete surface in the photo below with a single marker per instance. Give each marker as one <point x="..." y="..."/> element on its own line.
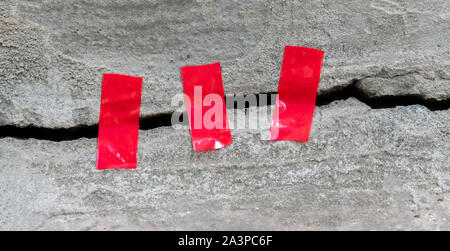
<point x="59" y="49"/>
<point x="363" y="169"/>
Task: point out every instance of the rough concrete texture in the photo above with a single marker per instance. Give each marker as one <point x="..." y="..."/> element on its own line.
<point x="363" y="168"/>
<point x="371" y="169"/>
<point x="53" y="52"/>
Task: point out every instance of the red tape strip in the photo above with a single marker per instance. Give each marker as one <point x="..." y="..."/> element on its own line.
<point x="119" y="122"/>
<point x="206" y="106"/>
<point x="297" y="90"/>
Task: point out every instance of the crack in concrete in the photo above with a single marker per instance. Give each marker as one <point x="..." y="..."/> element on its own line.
<point x="78" y="132"/>
<point x="165" y="119"/>
<point x="387" y="101"/>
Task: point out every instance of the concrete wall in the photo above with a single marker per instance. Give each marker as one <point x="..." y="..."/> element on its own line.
<point x="364" y="167"/>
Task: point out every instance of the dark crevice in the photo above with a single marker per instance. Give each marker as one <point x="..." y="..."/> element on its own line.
<point x="60" y="134"/>
<point x="262" y="99"/>
<point x="155" y="121"/>
<point x="78" y="132"/>
<point x="352" y="90"/>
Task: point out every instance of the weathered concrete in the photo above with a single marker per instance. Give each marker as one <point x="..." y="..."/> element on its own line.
<point x="54" y="52"/>
<point x="362" y="169"/>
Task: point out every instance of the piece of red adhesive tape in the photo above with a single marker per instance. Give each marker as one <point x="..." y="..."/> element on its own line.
<point x="297" y="90"/>
<point x="205" y="103"/>
<point x="119" y="122"/>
